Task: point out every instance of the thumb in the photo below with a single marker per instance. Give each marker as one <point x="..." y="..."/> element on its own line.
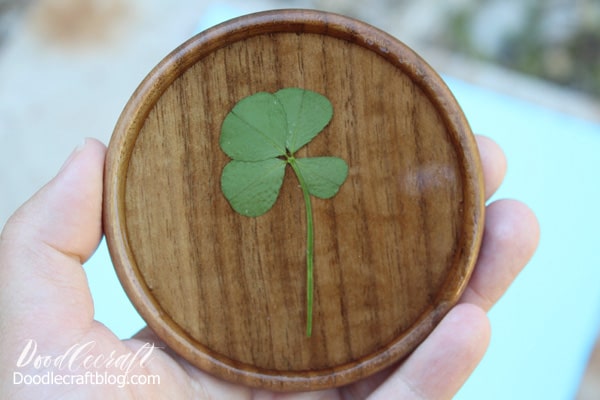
<point x="44" y="290"/>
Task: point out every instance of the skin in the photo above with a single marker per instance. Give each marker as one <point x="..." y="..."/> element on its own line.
<point x="44" y="295"/>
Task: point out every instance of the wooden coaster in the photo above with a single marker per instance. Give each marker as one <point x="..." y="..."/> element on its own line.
<point x="394" y="249"/>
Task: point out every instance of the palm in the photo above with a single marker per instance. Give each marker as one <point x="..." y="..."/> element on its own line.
<point x="45" y="297"/>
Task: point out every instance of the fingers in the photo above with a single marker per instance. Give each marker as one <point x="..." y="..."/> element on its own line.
<point x="511" y="235"/>
<point x="42" y="246"/>
<point x="493" y="164"/>
<point x="510" y="238"/>
<point x="440" y="366"/>
<point x="66" y="207"/>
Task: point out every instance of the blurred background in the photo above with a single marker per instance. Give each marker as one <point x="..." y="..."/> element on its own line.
<point x="67" y="68"/>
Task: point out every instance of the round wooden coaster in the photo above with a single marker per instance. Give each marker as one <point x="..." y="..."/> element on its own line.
<point x="394" y="249"/>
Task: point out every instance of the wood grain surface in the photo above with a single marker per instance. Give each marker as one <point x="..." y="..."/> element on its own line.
<point x="393" y="249"/>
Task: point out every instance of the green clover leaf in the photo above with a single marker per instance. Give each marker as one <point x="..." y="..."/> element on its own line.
<point x="307" y="114"/>
<point x="252" y="187"/>
<point x="261" y="134"/>
<point x="254" y="129"/>
<point x="323" y="175"/>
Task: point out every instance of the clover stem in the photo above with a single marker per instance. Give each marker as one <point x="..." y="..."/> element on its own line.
<point x="309" y="245"/>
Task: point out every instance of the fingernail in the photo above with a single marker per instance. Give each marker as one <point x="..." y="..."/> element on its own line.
<point x="73" y="154"/>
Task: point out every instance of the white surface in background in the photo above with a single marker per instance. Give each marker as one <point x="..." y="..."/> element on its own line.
<point x="544" y="327"/>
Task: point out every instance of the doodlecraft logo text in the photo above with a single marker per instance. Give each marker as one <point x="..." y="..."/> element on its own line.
<point x="81" y="365"/>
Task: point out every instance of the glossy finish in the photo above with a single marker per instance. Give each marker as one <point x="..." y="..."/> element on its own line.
<point x="393" y="250"/>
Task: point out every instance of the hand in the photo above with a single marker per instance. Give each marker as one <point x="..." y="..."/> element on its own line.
<point x="45" y="300"/>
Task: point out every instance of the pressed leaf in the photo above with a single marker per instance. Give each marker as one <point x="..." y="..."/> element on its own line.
<point x="307" y="114"/>
<point x="255" y="129"/>
<point x="252" y="187"/>
<point x="261" y="134"/>
<point x="323" y="175"/>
